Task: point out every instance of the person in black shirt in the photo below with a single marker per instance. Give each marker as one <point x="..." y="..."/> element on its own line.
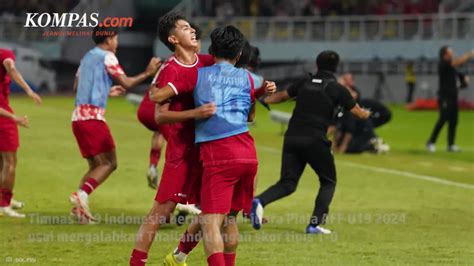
<point x="317" y="98"/>
<point x="448" y="96"/>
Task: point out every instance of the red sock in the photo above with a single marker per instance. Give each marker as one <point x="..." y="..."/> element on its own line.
<point x="90" y="185"/>
<point x="188" y="242"/>
<point x="155" y="156"/>
<point x="6" y="197"/>
<point x="138" y="258"/>
<point x="229" y="259"/>
<point x="1" y="197"/>
<point x="216" y="259"/>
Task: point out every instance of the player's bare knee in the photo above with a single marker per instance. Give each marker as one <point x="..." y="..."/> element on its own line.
<point x="9" y="163"/>
<point x="10" y="168"/>
<point x="161" y="212"/>
<point x="231" y="242"/>
<point x="111" y="164"/>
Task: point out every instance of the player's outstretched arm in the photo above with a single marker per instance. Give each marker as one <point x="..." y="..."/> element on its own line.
<point x="270" y="87"/>
<point x="130" y="82"/>
<point x="164" y="116"/>
<point x="277" y="97"/>
<point x="117" y="90"/>
<point x="20" y="120"/>
<point x="9" y="65"/>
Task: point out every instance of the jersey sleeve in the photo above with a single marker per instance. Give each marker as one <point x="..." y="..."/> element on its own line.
<point x="112" y="65"/>
<point x="166" y="76"/>
<point x="6" y="54"/>
<point x="344" y="97"/>
<point x="293" y="89"/>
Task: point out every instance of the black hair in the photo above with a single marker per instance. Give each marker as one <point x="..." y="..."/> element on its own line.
<point x="245" y="56"/>
<point x="250" y="57"/>
<point x="226" y="42"/>
<point x="100" y="34"/>
<point x="327" y="60"/>
<point x="198" y="31"/>
<point x="442" y="51"/>
<point x="254" y="60"/>
<point x="166" y="25"/>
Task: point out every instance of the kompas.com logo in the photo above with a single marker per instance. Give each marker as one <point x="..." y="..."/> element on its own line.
<point x="56" y="20"/>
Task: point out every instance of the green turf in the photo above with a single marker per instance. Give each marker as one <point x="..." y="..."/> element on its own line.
<point x="378" y="218"/>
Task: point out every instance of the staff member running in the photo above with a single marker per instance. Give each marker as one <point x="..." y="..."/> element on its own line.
<point x="305" y="140"/>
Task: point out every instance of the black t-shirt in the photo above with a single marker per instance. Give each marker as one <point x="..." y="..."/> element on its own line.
<point x="447" y="81"/>
<point x="317" y="97"/>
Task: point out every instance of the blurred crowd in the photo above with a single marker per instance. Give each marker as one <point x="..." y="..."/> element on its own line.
<point x="282" y="8"/>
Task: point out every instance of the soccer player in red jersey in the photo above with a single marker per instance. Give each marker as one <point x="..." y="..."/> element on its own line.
<point x="181" y="177"/>
<point x="146" y="116"/>
<point x="9" y="140"/>
<point x="185" y="87"/>
<point x="98" y="69"/>
<point x="227" y="150"/>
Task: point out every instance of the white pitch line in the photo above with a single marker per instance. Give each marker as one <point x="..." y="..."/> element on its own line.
<point x="433" y="179"/>
<point x="361" y="166"/>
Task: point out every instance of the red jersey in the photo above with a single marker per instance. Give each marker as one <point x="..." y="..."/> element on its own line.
<point x="4" y="77"/>
<point x="234" y="149"/>
<point x="180" y="135"/>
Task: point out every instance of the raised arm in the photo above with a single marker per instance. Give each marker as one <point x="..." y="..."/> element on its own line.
<point x="9" y="65"/>
<point x="130" y="82"/>
<point x="462" y="59"/>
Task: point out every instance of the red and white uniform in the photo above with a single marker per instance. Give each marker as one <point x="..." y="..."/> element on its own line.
<point x="229" y="163"/>
<point x="181" y="178"/>
<point x="9" y="140"/>
<point x="94" y="75"/>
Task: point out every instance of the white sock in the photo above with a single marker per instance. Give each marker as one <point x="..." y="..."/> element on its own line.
<point x="83" y="194"/>
<point x="152" y="170"/>
<point x="179" y="256"/>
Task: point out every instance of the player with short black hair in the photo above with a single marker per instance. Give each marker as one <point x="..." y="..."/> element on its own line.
<point x="101" y="34"/>
<point x="98" y="69"/>
<point x="167" y="27"/>
<point x="227" y="150"/>
<point x="181" y="176"/>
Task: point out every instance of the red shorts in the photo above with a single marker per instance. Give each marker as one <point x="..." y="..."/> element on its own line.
<point x="93" y="137"/>
<point x="9" y="140"/>
<point x="227" y="187"/>
<point x="181" y="179"/>
<point x="146" y="114"/>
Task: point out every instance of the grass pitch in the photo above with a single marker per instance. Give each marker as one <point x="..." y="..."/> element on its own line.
<point x="407" y="207"/>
